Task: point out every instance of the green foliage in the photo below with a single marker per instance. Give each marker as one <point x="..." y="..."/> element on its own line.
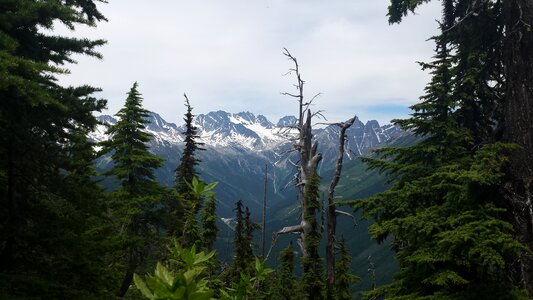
<point x="185" y="283"/>
<point x="185" y="172"/>
<point x="185" y="278"/>
<point x="135" y="203"/>
<point x="133" y="163"/>
<point x="243" y="254"/>
<point x="198" y="191"/>
<point x="285" y="286"/>
<point x="209" y="222"/>
<point x="313" y="277"/>
<point x="248" y="286"/>
<point x="343" y="276"/>
<point x="443" y="213"/>
<point x="52" y="223"/>
<point x="400" y="8"/>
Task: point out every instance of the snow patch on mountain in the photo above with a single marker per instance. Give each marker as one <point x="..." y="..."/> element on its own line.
<point x="245" y="132"/>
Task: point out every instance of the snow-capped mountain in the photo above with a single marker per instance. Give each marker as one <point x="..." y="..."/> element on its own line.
<point x="246" y="132"/>
<point x="239" y="145"/>
<point x="244" y="129"/>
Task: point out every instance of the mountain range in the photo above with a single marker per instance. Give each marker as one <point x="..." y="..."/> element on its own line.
<point x="240" y="145"/>
<point x="238" y="148"/>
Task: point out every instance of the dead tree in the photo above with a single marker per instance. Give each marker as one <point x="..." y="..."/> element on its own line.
<point x="332" y="210"/>
<point x="263" y="222"/>
<point x="307" y="183"/>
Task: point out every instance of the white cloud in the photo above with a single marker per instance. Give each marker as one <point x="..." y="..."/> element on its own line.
<point x="227" y="54"/>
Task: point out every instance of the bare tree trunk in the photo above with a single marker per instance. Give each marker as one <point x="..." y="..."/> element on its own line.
<point x="308" y="191"/>
<point x="332" y="211"/>
<point x="518" y="125"/>
<point x="263" y="225"/>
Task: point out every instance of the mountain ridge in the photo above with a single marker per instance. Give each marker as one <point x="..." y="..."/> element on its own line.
<point x="249" y="132"/>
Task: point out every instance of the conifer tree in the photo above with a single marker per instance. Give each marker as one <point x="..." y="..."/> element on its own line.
<point x="186" y="171"/>
<point x="495" y="66"/>
<point x="198" y="192"/>
<point x="46" y="220"/>
<point x="209" y="223"/>
<point x="139" y="193"/>
<point x="285" y="285"/>
<point x="344" y="278"/>
<point x="243" y="256"/>
<point x="443" y="213"/>
<point x="185" y="205"/>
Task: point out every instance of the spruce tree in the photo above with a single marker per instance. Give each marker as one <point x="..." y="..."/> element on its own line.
<point x="48" y="224"/>
<point x="139" y="194"/>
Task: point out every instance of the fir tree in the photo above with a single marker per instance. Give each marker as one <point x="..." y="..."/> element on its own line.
<point x="139" y="194"/>
<point x="494" y="64"/>
<point x="209" y="223"/>
<point x="343" y="277"/>
<point x="312" y="280"/>
<point x="198" y="192"/>
<point x="48" y="224"/>
<point x="186" y="171"/>
<point x="443" y="213"/>
<point x="285" y="285"/>
<point x="185" y="205"/>
<point x="243" y="256"/>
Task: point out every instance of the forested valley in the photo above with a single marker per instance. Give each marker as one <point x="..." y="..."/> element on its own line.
<point x="450" y="195"/>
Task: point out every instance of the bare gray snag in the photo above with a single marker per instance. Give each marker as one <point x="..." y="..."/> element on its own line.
<point x="332" y="211"/>
<point x="307" y="149"/>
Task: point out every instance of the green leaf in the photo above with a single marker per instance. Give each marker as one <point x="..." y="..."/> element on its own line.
<point x="141" y="285"/>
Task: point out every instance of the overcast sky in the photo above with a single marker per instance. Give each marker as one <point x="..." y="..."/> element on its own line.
<point x="227" y="55"/>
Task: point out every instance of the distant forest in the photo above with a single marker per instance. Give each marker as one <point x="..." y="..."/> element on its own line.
<point x="458" y="212"/>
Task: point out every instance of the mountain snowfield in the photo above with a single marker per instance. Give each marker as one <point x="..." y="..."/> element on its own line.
<point x="246" y="132"/>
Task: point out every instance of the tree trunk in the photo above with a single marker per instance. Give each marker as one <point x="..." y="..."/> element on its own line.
<point x="263" y="223"/>
<point x="518" y="125"/>
<point x="128" y="277"/>
<point x="7" y="251"/>
<point x="332" y="211"/>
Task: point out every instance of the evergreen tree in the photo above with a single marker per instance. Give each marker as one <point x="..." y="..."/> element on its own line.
<point x="184" y="205"/>
<point x="209" y="223"/>
<point x="492" y="40"/>
<point x="443" y="213"/>
<point x="344" y="278"/>
<point x="139" y="194"/>
<point x="285" y="286"/>
<point x="49" y="222"/>
<point x="312" y="279"/>
<point x="198" y="192"/>
<point x="186" y="171"/>
<point x="243" y="256"/>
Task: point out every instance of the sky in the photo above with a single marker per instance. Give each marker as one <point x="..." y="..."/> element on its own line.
<point x="228" y="55"/>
